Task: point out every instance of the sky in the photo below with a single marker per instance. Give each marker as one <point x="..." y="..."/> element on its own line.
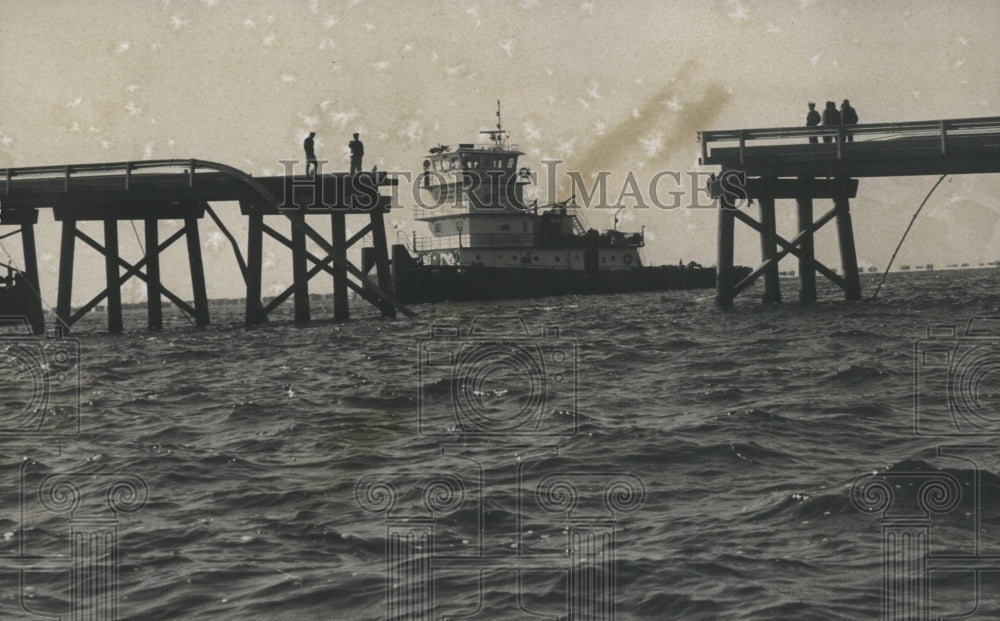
<point x="622" y="87"/>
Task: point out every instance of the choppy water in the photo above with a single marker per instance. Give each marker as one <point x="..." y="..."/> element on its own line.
<point x="727" y="442"/>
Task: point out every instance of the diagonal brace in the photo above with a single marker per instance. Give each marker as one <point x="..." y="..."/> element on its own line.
<point x="788" y="247"/>
<point x="131" y="270"/>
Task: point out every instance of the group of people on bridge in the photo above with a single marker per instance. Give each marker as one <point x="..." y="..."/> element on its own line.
<point x="832" y="118"/>
<point x="357" y="153"/>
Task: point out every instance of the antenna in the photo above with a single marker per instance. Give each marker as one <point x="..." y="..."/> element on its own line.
<point x="496" y="135"/>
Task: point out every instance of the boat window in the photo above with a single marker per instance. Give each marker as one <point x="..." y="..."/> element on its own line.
<point x="557" y="259"/>
<point x="437" y="227"/>
<point x="525" y="225"/>
<point x="510" y="162"/>
<point x="437" y="165"/>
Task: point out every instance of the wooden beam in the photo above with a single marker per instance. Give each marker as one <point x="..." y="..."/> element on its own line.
<point x="848" y="256"/>
<point x="724" y="265"/>
<point x="381" y="246"/>
<point x="338" y="233"/>
<point x="807" y="273"/>
<point x="154" y="305"/>
<point x="768" y="250"/>
<point x="779" y="188"/>
<point x="359" y="235"/>
<point x="197" y="271"/>
<point x="255" y="263"/>
<point x="67" y="250"/>
<point x="36" y="314"/>
<point x="112" y="275"/>
<point x="299" y="272"/>
<point x="232" y="240"/>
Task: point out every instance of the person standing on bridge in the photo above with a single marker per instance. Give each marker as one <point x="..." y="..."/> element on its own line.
<point x="849" y="116"/>
<point x="357" y="152"/>
<point x="812" y="120"/>
<point x="831" y="118"/>
<point x="309" y="145"/>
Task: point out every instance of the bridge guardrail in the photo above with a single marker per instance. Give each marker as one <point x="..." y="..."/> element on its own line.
<point x="911" y="129"/>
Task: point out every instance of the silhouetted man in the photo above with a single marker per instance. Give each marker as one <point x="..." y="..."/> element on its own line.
<point x="831" y="118"/>
<point x="357" y="152"/>
<point x="849" y="116"/>
<point x="812" y="120"/>
<point x="308" y="145"/>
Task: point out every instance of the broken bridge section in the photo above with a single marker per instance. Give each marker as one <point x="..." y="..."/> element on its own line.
<point x="157" y="190"/>
<point x="824" y="163"/>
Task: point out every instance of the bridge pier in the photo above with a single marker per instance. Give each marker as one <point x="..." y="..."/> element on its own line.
<point x="154" y="303"/>
<point x="773" y="246"/>
<point x="299" y="276"/>
<point x="114" y="292"/>
<point x="66" y="256"/>
<point x="769" y="249"/>
<point x="848" y="255"/>
<point x="381" y="246"/>
<point x="338" y="236"/>
<point x="724" y="266"/>
<point x="36" y="314"/>
<point x="807" y="273"/>
<point x="198" y="290"/>
<point x="110" y="216"/>
<point x="255" y="258"/>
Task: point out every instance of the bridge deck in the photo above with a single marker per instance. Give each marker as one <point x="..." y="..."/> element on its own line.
<point x="957" y="146"/>
<point x="182" y="190"/>
<point x="136" y="190"/>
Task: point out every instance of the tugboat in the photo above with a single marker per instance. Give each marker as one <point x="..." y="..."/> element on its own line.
<point x="487" y="242"/>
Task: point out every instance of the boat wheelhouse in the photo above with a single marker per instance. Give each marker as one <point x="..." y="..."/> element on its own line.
<point x="477" y="215"/>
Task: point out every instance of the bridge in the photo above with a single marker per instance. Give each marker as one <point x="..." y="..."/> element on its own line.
<point x="808" y="163"/>
<point x="156" y="190"/>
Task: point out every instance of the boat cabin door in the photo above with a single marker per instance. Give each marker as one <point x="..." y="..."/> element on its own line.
<point x="590" y="261"/>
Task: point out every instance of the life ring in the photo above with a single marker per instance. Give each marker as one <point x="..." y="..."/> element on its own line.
<point x="627" y="259"/>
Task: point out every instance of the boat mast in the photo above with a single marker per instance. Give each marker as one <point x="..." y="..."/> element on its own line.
<point x="496" y="135"/>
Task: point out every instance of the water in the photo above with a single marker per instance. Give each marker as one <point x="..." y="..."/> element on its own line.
<point x="734" y="438"/>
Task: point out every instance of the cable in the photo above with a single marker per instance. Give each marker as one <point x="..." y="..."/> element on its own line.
<point x="908" y="227"/>
<point x="136" y="231"/>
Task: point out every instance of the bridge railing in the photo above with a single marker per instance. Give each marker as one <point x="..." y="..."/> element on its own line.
<point x="68" y="171"/>
<point x="875" y="131"/>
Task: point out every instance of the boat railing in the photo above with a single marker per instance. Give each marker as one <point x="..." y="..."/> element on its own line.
<point x="491" y="146"/>
<point x="446" y="242"/>
<point x="519" y="240"/>
<point x="475" y="240"/>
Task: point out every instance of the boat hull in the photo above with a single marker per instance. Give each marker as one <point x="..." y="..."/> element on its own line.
<point x="18" y="299"/>
<point x="417" y="284"/>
